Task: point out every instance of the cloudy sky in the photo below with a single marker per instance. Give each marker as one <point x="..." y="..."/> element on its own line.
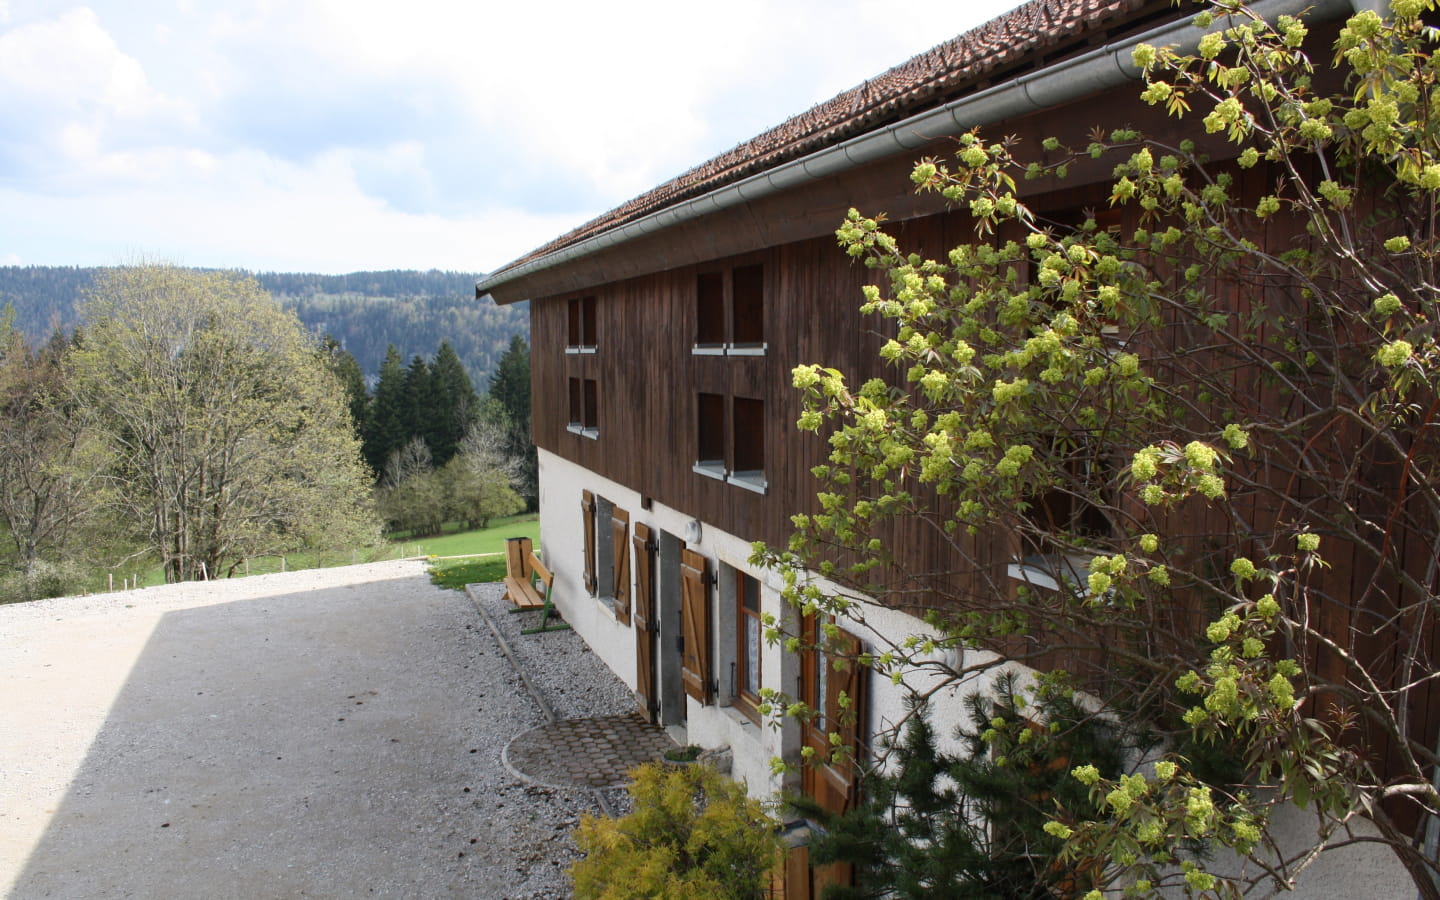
<point x="339" y="135"/>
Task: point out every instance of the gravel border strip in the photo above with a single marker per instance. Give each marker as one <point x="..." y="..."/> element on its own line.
<point x="561" y="673"/>
<point x="600" y="799"/>
<point x="510" y="654"/>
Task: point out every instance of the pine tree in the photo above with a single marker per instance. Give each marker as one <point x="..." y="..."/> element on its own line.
<point x="422" y="414"/>
<point x="510" y="395"/>
<point x="387" y="424"/>
<point x="352" y="379"/>
<point x="510" y="385"/>
<point x="971" y="824"/>
<point x="457" y="402"/>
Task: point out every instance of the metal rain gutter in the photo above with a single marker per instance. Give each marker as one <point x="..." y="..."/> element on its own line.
<point x="1105" y="67"/>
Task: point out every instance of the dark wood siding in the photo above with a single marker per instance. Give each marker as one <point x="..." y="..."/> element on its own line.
<point x="649" y="380"/>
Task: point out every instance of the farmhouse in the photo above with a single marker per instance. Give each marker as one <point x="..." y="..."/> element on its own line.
<point x="665" y="332"/>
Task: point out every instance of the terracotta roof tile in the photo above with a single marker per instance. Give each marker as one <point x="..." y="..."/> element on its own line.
<point x="969" y="62"/>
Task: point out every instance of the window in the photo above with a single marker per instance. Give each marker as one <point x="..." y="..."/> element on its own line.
<point x="710" y="435"/>
<point x="1072" y="221"/>
<point x="592" y="408"/>
<point x="748" y="458"/>
<point x="730" y="440"/>
<point x="747" y="644"/>
<point x="730" y="312"/>
<point x="747" y="308"/>
<point x="581" y="336"/>
<point x="710" y="312"/>
<point x="584" y="407"/>
<point x="1062" y="521"/>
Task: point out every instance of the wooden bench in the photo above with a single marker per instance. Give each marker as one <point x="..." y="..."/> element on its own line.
<point x="528" y="585"/>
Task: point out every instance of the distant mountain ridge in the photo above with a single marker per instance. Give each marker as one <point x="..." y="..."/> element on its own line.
<point x="365" y="311"/>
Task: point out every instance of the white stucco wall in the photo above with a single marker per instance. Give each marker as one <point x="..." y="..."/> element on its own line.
<point x="563" y="541"/>
<point x="1365" y="870"/>
<point x="720" y="724"/>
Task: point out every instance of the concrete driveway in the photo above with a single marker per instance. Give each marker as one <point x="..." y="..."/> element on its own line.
<point x="333" y="733"/>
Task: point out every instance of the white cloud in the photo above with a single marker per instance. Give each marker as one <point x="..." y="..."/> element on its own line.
<point x="333" y="135"/>
<point x="618" y="95"/>
<point x="251" y="211"/>
<point x="67" y="93"/>
<point x="73" y="66"/>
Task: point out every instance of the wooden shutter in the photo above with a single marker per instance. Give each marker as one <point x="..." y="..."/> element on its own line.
<point x="644" y="620"/>
<point x="695" y="625"/>
<point x="849" y="722"/>
<point x="587" y="517"/>
<point x="619" y="532"/>
<point x="834" y="786"/>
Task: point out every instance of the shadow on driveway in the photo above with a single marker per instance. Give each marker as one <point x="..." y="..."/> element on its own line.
<point x="336" y="742"/>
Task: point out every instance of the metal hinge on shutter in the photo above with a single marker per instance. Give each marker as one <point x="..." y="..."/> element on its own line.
<point x="651" y="546"/>
<point x="708" y="579"/>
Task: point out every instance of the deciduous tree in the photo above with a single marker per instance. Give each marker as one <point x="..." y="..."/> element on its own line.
<point x="484" y="476"/>
<point x="1189" y="450"/>
<point x="229" y="434"/>
<point x="50" y="459"/>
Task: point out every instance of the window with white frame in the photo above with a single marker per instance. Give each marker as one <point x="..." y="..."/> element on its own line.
<point x="581" y="334"/>
<point x="749" y="641"/>
<point x="730" y="311"/>
<point x="730" y="440"/>
<point x="1063" y="521"/>
<point x="584" y="407"/>
<point x="710" y="435"/>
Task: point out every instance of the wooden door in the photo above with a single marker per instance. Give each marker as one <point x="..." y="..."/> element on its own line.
<point x="646" y="625"/>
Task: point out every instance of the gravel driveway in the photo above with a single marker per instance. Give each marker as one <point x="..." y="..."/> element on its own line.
<point x="326" y="733"/>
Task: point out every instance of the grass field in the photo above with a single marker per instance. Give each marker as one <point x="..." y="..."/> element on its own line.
<point x="456" y="573"/>
<point x="452" y="544"/>
<point x="470" y="543"/>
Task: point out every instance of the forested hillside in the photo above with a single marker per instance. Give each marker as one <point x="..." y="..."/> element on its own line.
<point x="365" y="311"/>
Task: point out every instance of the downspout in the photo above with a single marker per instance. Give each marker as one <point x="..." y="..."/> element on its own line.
<point x="1103" y="68"/>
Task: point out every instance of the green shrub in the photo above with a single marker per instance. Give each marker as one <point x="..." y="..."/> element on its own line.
<point x="45" y="579"/>
<point x="693" y="833"/>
